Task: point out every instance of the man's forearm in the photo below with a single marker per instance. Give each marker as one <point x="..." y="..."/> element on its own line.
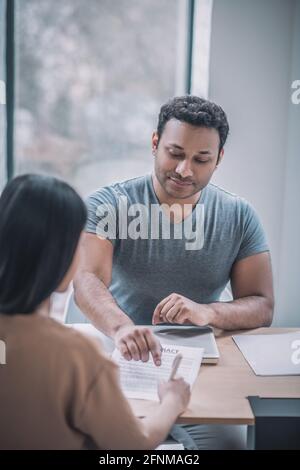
<point x="96" y="302"/>
<point x="247" y="312"/>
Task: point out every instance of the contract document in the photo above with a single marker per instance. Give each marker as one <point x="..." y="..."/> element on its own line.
<point x="139" y="379"/>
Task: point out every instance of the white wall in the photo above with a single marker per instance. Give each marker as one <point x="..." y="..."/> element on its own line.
<point x="289" y="294"/>
<point x="254" y="47"/>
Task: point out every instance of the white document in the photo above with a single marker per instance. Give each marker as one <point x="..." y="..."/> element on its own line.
<point x="170" y="445"/>
<point x="277" y="354"/>
<point x="139" y="379"/>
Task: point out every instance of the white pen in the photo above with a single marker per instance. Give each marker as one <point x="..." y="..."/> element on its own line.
<point x="175" y="365"/>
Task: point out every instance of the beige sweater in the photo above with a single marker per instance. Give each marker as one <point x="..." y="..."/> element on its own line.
<point x="59" y="391"/>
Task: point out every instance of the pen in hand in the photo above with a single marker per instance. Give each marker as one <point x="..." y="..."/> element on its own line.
<point x="175" y="365"/>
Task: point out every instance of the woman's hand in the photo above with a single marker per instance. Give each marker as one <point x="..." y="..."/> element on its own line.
<point x="178" y="390"/>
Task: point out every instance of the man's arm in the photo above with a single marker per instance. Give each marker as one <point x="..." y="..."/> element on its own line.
<point x="91" y="284"/>
<point x="252" y="307"/>
<point x="96" y="302"/>
<point x="252" y="289"/>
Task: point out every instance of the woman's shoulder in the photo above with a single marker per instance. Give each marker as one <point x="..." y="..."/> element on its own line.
<point x="74" y="346"/>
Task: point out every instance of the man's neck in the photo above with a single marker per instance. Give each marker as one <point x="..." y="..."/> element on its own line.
<point x="178" y="209"/>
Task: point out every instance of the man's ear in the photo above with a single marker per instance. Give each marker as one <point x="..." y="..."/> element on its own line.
<point x="220" y="158"/>
<point x="154" y="142"/>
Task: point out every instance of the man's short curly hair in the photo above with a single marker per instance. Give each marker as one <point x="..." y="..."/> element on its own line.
<point x="196" y="111"/>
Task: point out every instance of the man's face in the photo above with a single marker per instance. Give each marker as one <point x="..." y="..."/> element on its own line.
<point x="185" y="158"/>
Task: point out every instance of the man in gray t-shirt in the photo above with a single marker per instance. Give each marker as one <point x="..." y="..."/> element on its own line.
<point x="162" y="247"/>
<point x="147" y="269"/>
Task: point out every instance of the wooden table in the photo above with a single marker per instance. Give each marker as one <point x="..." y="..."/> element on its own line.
<point x="219" y="395"/>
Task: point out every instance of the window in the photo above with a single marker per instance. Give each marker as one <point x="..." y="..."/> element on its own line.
<point x="2" y="96"/>
<point x="90" y="79"/>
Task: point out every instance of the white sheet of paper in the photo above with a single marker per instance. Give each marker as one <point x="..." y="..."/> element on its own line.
<point x="277" y="354"/>
<point x="170" y="446"/>
<point x="139" y="379"/>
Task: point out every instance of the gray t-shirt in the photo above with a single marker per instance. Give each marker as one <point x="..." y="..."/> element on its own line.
<point x="150" y="264"/>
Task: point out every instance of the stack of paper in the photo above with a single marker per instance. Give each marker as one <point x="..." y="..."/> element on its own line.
<point x="139" y="379"/>
<point x="277" y="354"/>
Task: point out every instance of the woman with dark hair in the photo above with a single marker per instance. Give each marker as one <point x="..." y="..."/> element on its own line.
<point x="58" y="390"/>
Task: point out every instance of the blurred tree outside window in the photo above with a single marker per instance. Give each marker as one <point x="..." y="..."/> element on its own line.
<point x="90" y="79"/>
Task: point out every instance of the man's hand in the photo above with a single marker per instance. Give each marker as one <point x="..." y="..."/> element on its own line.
<point x="135" y="342"/>
<point x="178" y="309"/>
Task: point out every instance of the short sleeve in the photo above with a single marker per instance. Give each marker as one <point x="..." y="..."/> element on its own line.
<point x="253" y="239"/>
<point x="106" y="416"/>
<point x="102" y="218"/>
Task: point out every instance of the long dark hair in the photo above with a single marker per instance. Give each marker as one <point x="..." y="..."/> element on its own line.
<point x="41" y="219"/>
